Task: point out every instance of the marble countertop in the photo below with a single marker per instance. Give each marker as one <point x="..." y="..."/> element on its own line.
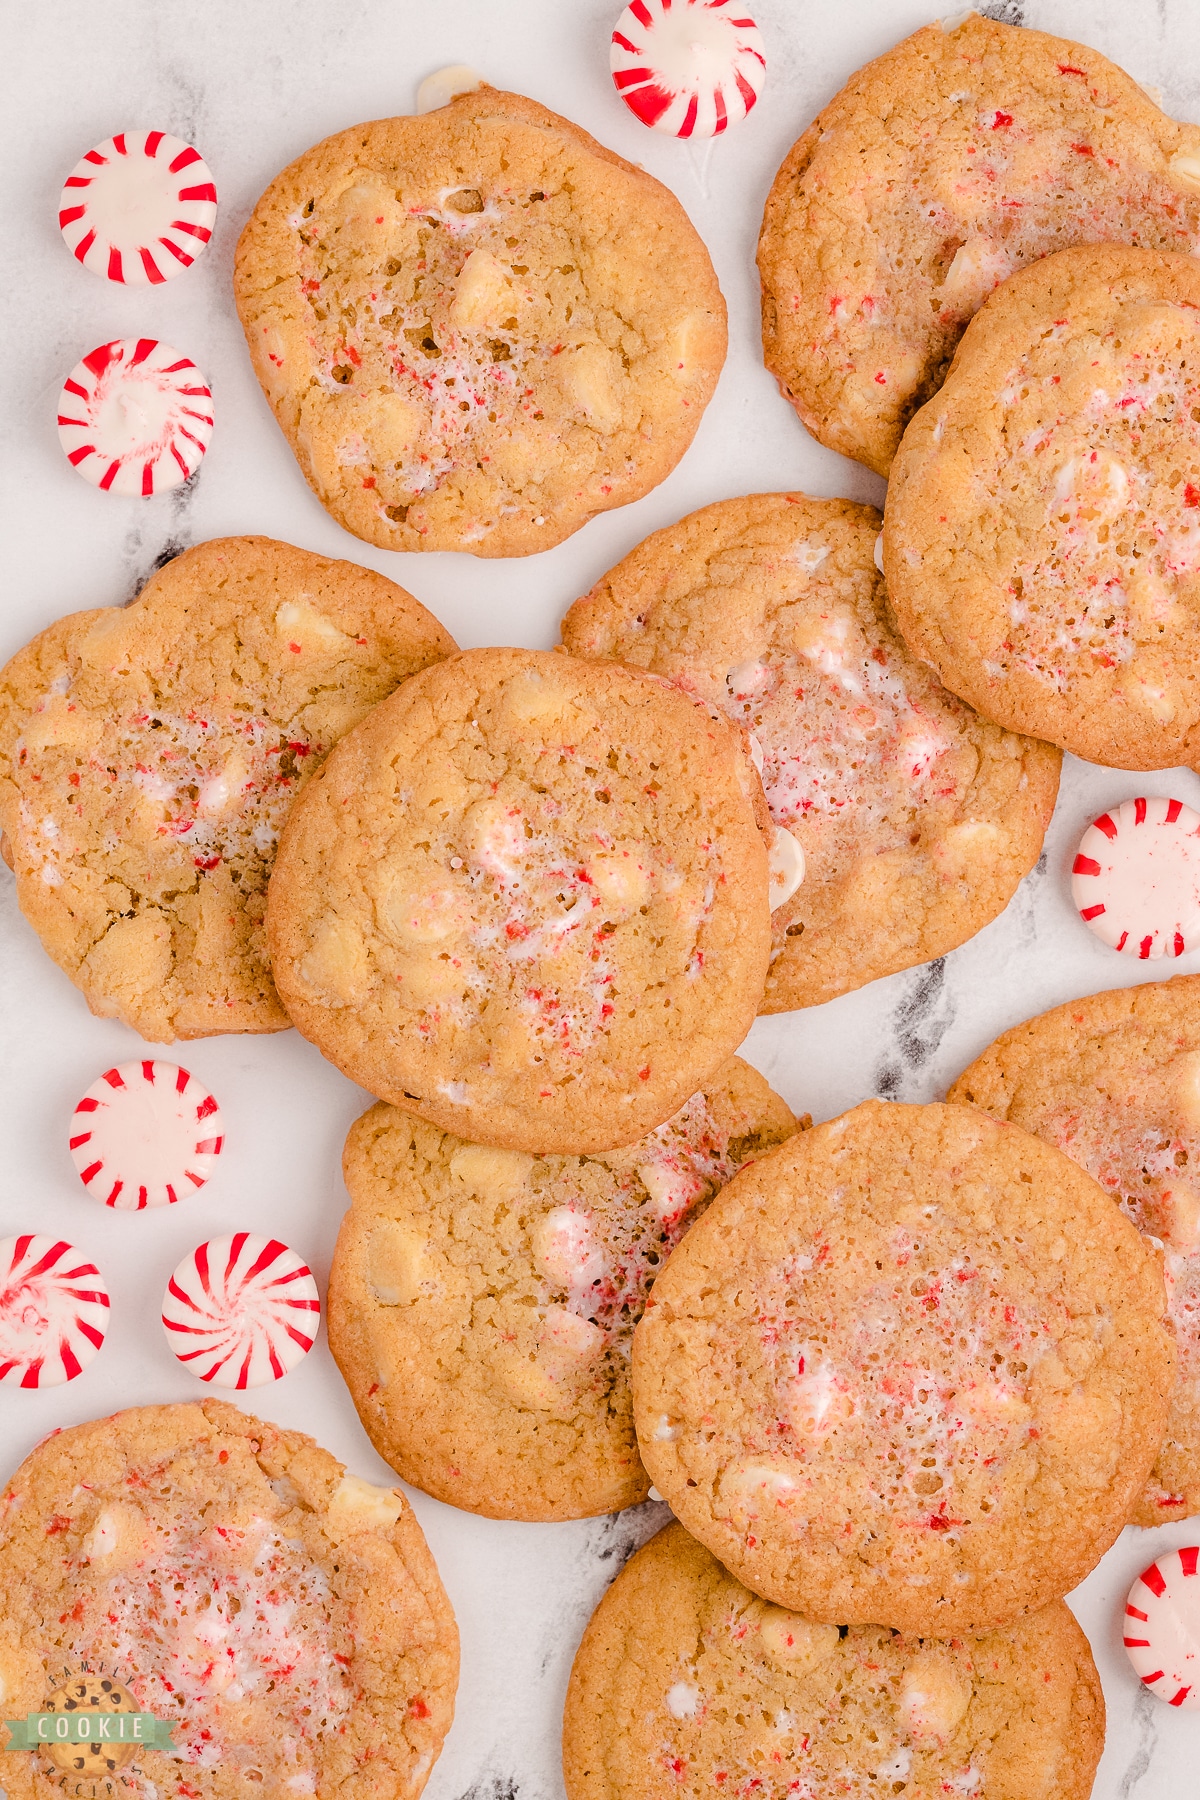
<point x="254" y="84"/>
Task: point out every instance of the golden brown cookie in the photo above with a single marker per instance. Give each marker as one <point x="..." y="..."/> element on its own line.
<point x="233" y="1578"/>
<point x="478" y="327"/>
<point x="1042" y="531"/>
<point x="481" y="1302"/>
<point x="916" y="820"/>
<point x="1114" y="1080"/>
<point x="527" y="901"/>
<point x="149" y="755"/>
<point x="966" y="152"/>
<point x="687" y="1685"/>
<point x="909" y="1369"/>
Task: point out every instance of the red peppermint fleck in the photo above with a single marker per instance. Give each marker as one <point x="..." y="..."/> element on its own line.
<point x="1191" y="494"/>
<point x="1001" y="121"/>
<point x="57" y="1523"/>
<point x="1083" y="150"/>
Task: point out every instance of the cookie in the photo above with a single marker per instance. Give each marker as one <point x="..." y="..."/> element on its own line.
<point x="481" y="1302"/>
<point x="968" y="151"/>
<point x="527" y="901"/>
<point x="478" y="327"/>
<point x="1114" y="1081"/>
<point x="149" y="755"/>
<point x="916" y="819"/>
<point x="231" y="1577"/>
<point x="686" y="1684"/>
<point x="910" y="1369"/>
<point x="1042" y="530"/>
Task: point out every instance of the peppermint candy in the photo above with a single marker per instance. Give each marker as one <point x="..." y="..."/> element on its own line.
<point x="53" y="1311"/>
<point x="135" y="417"/>
<point x="693" y="68"/>
<point x="145" y="1134"/>
<point x="241" y="1310"/>
<point x="140" y="207"/>
<point x="1136" y="878"/>
<point x="1162" y="1628"/>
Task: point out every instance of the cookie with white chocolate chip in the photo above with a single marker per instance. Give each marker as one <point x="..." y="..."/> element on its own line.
<point x="527" y="900"/>
<point x="149" y="754"/>
<point x="686" y="1684"/>
<point x="287" y="1616"/>
<point x="481" y="1302"/>
<point x="915" y="819"/>
<point x="969" y="150"/>
<point x="478" y="327"/>
<point x="1114" y="1080"/>
<point x="1041" y="537"/>
<point x="911" y="1368"/>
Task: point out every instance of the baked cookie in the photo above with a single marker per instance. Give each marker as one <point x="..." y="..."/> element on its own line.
<point x="1042" y="531"/>
<point x="234" y="1579"/>
<point x="966" y="152"/>
<point x="910" y="1369"/>
<point x="481" y="1302"/>
<point x="478" y="327"/>
<point x="685" y="1684"/>
<point x="1114" y="1080"/>
<point x="915" y="818"/>
<point x="148" y="757"/>
<point x="527" y="901"/>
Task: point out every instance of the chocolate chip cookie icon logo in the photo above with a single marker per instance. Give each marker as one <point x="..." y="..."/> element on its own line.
<point x="89" y="1734"/>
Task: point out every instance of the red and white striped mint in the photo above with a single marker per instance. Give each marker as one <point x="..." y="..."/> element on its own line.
<point x="140" y="207"/>
<point x="135" y="416"/>
<point x="1162" y="1628"/>
<point x="690" y="67"/>
<point x="241" y="1310"/>
<point x="53" y="1311"/>
<point x="145" y="1134"/>
<point x="1136" y="878"/>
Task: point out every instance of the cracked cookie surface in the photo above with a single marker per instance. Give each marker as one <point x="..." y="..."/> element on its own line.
<point x="478" y="327"/>
<point x="1114" y="1081"/>
<point x="910" y="1368"/>
<point x="686" y="1684"/>
<point x="916" y="818"/>
<point x="149" y="755"/>
<point x="481" y="1302"/>
<point x="943" y="166"/>
<point x="1042" y="529"/>
<point x="527" y="900"/>
<point x="286" y="1614"/>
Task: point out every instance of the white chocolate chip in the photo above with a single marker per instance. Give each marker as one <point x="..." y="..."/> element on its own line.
<point x="489" y="1172"/>
<point x="1185" y="169"/>
<point x="877" y="553"/>
<point x="683" y="1700"/>
<point x="484" y="295"/>
<point x="565" y="1248"/>
<point x="397" y="1263"/>
<point x="797" y="1642"/>
<point x="571" y="1339"/>
<point x="358" y="1505"/>
<point x="445" y="85"/>
<point x="337" y="967"/>
<point x="786" y="867"/>
<point x="1185" y="1088"/>
<point x="933" y="1697"/>
<point x="952" y="21"/>
<point x="302" y="624"/>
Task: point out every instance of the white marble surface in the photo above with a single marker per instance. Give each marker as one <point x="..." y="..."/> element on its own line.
<point x="253" y="84"/>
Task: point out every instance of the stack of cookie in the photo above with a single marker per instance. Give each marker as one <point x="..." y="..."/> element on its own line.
<point x="903" y="1383"/>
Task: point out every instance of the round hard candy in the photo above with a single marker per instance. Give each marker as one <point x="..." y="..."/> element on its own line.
<point x="1136" y="878"/>
<point x="140" y="207"/>
<point x="1162" y="1628"/>
<point x="53" y="1311"/>
<point x="135" y="417"/>
<point x="145" y="1134"/>
<point x="693" y="68"/>
<point x="241" y="1310"/>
